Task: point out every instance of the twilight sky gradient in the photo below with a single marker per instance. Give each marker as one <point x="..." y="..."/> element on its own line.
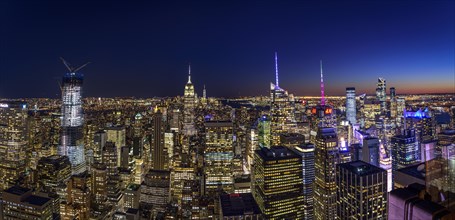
<point x="142" y="48"/>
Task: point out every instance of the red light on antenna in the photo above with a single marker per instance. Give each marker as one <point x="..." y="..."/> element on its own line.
<point x="313" y="111"/>
<point x="328" y="111"/>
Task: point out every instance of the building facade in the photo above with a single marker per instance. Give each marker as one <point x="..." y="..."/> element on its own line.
<point x="13" y="143"/>
<point x="362" y="191"/>
<point x="278" y="183"/>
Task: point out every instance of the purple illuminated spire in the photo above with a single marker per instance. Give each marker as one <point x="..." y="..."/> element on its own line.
<point x="322" y="87"/>
<point x="276" y="70"/>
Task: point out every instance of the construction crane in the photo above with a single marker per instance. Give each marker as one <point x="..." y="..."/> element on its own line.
<point x="72" y="69"/>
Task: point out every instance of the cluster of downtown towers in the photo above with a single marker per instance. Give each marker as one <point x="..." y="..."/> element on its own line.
<point x="205" y="158"/>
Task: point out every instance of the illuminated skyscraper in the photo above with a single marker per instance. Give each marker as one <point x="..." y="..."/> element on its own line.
<point x="307" y="153"/>
<point x="326" y="158"/>
<point x="264" y="135"/>
<point x="110" y="158"/>
<point x="99" y="188"/>
<point x="370" y="150"/>
<point x="393" y="103"/>
<point x="362" y="191"/>
<point x="13" y="143"/>
<point x="401" y="106"/>
<point x="155" y="192"/>
<point x="350" y="105"/>
<point x="117" y="135"/>
<point x="159" y="155"/>
<point x="189" y="98"/>
<point x="277" y="183"/>
<point x="405" y="150"/>
<point x="218" y="156"/>
<point x="381" y="94"/>
<point x="282" y="109"/>
<point x="71" y="143"/>
<point x="322" y="115"/>
<point x="422" y="122"/>
<point x="53" y="171"/>
<point x="80" y="197"/>
<point x="392" y="93"/>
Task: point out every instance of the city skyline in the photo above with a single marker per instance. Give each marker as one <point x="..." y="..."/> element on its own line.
<point x="143" y="49"/>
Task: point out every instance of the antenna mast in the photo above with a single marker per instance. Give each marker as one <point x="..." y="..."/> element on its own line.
<point x="276" y="70"/>
<point x="322" y="87"/>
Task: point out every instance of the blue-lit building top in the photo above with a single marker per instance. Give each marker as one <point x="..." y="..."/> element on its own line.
<point x="419" y="114"/>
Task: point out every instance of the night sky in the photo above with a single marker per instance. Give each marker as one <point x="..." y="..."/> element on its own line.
<point x="142" y="48"/>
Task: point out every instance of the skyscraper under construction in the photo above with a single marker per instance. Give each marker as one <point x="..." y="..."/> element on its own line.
<point x="71" y="143"/>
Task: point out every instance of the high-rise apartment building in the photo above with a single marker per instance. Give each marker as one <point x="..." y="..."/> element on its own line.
<point x="326" y="158"/>
<point x="13" y="143"/>
<point x="351" y="111"/>
<point x="362" y="191"/>
<point x="278" y="183"/>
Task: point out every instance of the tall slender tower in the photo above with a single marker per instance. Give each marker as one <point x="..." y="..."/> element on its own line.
<point x="282" y="109"/>
<point x="189" y="104"/>
<point x="350" y="105"/>
<point x="71" y="143"/>
<point x="381" y="94"/>
<point x="325" y="189"/>
<point x="204" y="93"/>
<point x="158" y="152"/>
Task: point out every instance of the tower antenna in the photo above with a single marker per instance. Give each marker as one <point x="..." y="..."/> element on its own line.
<point x="276" y="70"/>
<point x="189" y="72"/>
<point x="322" y="87"/>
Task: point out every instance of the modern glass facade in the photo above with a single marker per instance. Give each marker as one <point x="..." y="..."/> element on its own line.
<point x="307" y="153"/>
<point x="351" y="105"/>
